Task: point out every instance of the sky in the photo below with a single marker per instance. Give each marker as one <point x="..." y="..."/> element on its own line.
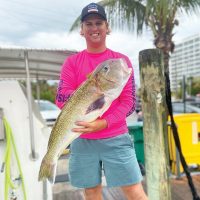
<point x="45" y="24"/>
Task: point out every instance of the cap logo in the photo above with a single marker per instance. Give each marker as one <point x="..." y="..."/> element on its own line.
<point x="92" y="8"/>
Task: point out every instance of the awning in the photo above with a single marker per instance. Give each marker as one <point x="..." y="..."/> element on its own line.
<point x="42" y="63"/>
<point x="31" y="64"/>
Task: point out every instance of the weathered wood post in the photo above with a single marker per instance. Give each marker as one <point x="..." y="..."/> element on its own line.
<point x="155" y="124"/>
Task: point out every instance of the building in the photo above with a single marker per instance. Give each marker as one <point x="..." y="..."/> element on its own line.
<point x="185" y="60"/>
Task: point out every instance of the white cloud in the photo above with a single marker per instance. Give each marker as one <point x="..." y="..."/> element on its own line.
<point x="188" y="26"/>
<point x="44" y="24"/>
<point x="56" y="40"/>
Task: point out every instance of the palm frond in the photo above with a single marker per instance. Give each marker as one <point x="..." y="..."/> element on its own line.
<point x="189" y="5"/>
<point x="123" y="14"/>
<point x="129" y="14"/>
<point x="134" y="14"/>
<point x="76" y="24"/>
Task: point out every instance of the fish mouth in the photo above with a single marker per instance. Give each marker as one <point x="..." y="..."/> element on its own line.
<point x="111" y="81"/>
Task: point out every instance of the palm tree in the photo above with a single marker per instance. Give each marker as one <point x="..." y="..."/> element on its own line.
<point x="159" y="15"/>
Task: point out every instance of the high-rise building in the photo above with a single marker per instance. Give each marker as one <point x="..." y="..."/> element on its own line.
<point x="185" y="61"/>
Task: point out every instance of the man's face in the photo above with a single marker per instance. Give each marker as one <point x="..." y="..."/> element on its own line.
<point x="94" y="29"/>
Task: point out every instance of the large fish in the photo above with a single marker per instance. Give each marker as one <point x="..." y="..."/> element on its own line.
<point x="87" y="103"/>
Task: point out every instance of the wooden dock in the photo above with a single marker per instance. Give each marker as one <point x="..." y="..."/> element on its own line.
<point x="179" y="187"/>
<point x="180" y="190"/>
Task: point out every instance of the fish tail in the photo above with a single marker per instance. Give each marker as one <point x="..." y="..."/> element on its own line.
<point x="47" y="170"/>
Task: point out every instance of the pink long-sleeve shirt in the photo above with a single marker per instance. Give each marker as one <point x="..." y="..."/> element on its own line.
<point x="75" y="70"/>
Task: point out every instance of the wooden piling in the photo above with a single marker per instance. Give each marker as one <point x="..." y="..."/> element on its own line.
<point x="155" y="124"/>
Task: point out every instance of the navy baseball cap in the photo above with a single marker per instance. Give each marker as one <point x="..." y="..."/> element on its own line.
<point x="93" y="8"/>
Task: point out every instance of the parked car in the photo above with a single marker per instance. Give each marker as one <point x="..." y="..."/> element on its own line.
<point x="49" y="111"/>
<point x="195" y="103"/>
<point x="178" y="108"/>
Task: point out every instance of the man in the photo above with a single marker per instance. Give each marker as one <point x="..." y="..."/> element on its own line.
<point x="105" y="143"/>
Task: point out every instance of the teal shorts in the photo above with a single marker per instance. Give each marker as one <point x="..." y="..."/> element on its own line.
<point x="114" y="156"/>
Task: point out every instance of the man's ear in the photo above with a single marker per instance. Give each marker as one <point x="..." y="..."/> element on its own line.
<point x="108" y="28"/>
<point x="81" y="31"/>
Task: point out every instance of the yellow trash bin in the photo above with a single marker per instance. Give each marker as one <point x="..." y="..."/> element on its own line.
<point x="188" y="126"/>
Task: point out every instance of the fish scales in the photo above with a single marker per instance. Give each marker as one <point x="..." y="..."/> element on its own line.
<point x="73" y="107"/>
<point x="87" y="103"/>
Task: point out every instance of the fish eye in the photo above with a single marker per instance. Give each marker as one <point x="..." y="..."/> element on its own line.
<point x="105" y="68"/>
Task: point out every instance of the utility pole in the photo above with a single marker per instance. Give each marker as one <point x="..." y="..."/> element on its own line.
<point x="155" y="124"/>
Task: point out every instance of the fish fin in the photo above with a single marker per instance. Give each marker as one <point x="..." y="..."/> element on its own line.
<point x="98" y="104"/>
<point x="47" y="171"/>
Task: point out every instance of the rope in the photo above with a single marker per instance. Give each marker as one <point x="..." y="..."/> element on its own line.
<point x="177" y="140"/>
<point x="7" y="159"/>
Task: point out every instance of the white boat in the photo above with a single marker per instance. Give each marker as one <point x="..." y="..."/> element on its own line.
<point x="30" y="133"/>
<point x="14" y="104"/>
